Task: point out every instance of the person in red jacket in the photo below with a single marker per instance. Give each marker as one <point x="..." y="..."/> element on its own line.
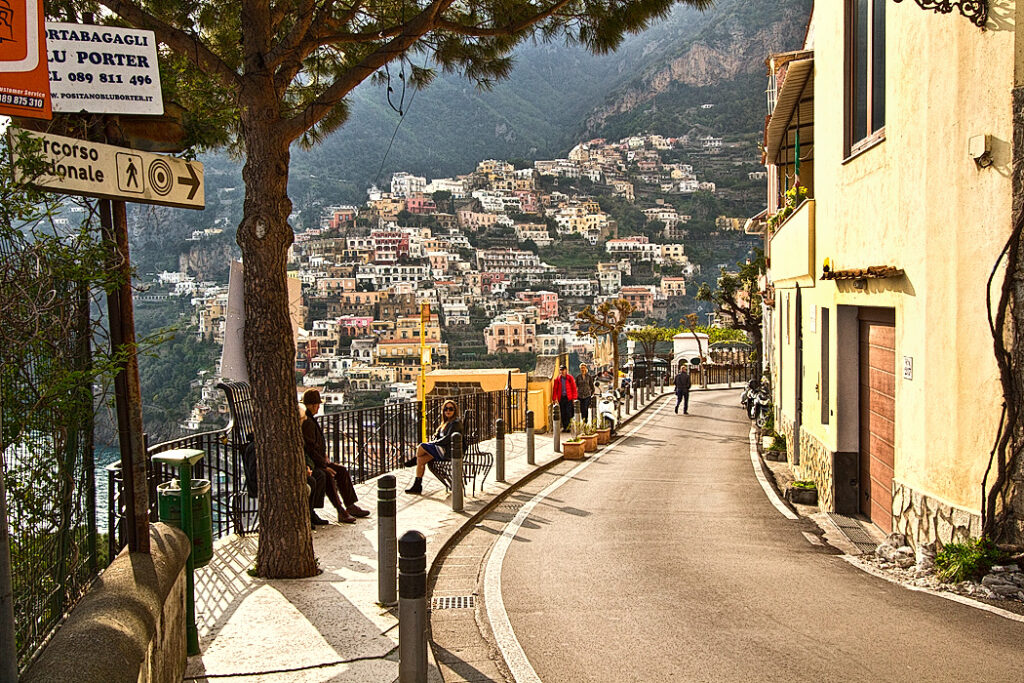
<point x="563" y="391"/>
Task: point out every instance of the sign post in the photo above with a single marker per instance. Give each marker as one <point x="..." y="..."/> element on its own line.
<point x="424" y="362"/>
<point x="94" y="169"/>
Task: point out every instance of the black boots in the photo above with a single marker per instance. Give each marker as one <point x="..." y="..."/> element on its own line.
<point x="417" y="486"/>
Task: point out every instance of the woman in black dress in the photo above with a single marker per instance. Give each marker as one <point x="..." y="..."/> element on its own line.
<point x="439" y="447"/>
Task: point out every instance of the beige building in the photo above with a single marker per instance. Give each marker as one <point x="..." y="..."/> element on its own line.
<point x="885" y="383"/>
<point x="510" y="334"/>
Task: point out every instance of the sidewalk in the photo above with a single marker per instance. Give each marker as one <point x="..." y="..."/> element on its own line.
<point x="330" y="627"/>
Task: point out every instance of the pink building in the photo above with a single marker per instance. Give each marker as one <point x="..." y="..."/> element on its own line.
<point x="546" y="303"/>
<point x="354" y="325"/>
<point x="641" y="297"/>
<point x="511" y="335"/>
<point x="420" y="205"/>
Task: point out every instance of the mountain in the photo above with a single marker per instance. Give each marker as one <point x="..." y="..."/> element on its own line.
<point x="559" y="94"/>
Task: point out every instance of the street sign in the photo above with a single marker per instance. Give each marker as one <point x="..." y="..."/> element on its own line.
<point x="110" y="172"/>
<point x="103" y="69"/>
<point x="24" y="85"/>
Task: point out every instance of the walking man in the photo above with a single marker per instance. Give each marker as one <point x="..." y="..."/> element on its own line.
<point x="585" y="391"/>
<point x="683" y="388"/>
<point x="563" y="392"/>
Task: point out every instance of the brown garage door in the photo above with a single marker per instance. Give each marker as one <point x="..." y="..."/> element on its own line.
<point x="877" y="413"/>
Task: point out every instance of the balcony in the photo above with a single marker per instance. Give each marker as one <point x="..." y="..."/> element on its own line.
<point x="791" y="248"/>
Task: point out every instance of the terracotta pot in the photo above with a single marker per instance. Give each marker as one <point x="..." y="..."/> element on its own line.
<point x="590" y="442"/>
<point x="604" y="435"/>
<point x="573" y="450"/>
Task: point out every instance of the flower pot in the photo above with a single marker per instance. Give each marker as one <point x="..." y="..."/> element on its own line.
<point x="604" y="435"/>
<point x="590" y="442"/>
<point x="573" y="450"/>
<point x="766" y="442"/>
<point x="802" y="496"/>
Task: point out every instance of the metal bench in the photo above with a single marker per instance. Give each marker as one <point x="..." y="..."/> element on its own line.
<point x="475" y="463"/>
<point x="241" y="427"/>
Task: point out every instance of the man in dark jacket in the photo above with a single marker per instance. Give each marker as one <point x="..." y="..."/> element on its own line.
<point x="585" y="389"/>
<point x="336" y="476"/>
<point x="683" y="388"/>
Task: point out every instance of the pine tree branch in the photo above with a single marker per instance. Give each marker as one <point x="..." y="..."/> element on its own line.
<point x="294" y="126"/>
<point x="290" y="43"/>
<point x="183" y="43"/>
<point x="505" y="31"/>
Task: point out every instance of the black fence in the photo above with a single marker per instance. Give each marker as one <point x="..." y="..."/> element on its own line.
<point x="725" y="373"/>
<point x="368" y="441"/>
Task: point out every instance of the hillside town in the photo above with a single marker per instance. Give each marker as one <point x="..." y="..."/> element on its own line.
<point x="473" y="247"/>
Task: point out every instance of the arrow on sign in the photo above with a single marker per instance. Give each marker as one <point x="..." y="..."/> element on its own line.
<point x="192" y="181"/>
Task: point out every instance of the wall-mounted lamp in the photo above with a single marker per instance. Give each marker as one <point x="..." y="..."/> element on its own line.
<point x="980" y="149"/>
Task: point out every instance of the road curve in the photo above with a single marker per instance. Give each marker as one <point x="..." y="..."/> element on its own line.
<point x="664" y="561"/>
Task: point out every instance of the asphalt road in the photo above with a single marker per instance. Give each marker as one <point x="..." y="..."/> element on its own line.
<point x="664" y="561"/>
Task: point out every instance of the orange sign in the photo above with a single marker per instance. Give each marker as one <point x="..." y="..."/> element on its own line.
<point x="24" y="72"/>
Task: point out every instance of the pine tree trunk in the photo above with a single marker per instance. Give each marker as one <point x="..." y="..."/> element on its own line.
<point x="285" y="542"/>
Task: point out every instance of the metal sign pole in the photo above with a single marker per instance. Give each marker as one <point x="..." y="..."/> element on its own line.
<point x="8" y="644"/>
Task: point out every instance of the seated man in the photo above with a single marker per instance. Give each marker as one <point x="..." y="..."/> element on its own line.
<point x="336" y="476"/>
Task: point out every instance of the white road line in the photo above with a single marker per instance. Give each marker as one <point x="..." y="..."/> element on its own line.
<point x="962" y="599"/>
<point x="769" y="491"/>
<point x="515" y="658"/>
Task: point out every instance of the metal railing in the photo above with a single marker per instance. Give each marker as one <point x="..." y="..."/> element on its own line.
<point x="727" y="373"/>
<point x="368" y="441"/>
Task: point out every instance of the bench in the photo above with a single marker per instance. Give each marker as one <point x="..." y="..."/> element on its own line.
<point x="241" y="425"/>
<point x="475" y="463"/>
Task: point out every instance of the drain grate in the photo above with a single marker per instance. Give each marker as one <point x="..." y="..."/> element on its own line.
<point x="453" y="602"/>
<point x="853" y="531"/>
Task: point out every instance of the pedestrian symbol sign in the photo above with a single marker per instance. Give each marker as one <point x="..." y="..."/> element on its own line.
<point x="110" y="172"/>
<point x="128" y="166"/>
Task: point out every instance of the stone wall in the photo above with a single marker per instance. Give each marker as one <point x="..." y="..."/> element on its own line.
<point x="130" y="626"/>
<point x="923" y="519"/>
<point x="815" y="462"/>
<point x="816" y="465"/>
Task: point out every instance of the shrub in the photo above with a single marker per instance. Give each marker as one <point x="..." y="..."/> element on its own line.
<point x="804" y="484"/>
<point x="972" y="559"/>
<point x="778" y="444"/>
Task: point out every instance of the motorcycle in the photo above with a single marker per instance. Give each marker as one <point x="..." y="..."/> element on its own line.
<point x="747" y="398"/>
<point x="762" y="403"/>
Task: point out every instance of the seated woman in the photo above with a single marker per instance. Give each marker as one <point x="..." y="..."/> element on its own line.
<point x="439" y="446"/>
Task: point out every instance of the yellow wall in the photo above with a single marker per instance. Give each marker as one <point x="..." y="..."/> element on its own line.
<point x="917" y="201"/>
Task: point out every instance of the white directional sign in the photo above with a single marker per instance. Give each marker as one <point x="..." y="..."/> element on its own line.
<point x="110" y="172"/>
<point x="103" y="69"/>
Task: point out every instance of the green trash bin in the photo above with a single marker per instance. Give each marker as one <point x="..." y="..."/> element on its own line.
<point x="169" y="508"/>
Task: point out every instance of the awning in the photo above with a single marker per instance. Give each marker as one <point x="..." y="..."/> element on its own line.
<point x="794" y="109"/>
<point x="755" y="225"/>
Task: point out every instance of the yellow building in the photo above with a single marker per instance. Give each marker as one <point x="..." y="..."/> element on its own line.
<point x="885" y="382"/>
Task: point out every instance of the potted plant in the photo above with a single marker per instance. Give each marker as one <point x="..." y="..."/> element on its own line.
<point x="574" y="449"/>
<point x="589" y="437"/>
<point x="803" y="491"/>
<point x="604" y="431"/>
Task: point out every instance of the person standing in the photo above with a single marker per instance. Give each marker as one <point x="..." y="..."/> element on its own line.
<point x="683" y="389"/>
<point x="336" y="477"/>
<point x="563" y="392"/>
<point x="585" y="390"/>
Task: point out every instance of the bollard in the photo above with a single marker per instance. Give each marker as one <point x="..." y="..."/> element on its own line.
<point x="576" y="409"/>
<point x="531" y="458"/>
<point x="499" y="448"/>
<point x="457" y="484"/>
<point x="412" y="608"/>
<point x="636" y="397"/>
<point x="556" y="427"/>
<point x="387" y="549"/>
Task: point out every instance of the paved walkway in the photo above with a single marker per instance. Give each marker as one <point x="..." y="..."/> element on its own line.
<point x="329" y="627"/>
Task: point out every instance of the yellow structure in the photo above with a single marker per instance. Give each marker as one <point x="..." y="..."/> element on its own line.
<point x="496" y="379"/>
<point x="885" y="382"/>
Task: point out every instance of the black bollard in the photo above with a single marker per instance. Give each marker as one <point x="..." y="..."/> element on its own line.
<point x="499" y="447"/>
<point x="458" y="485"/>
<point x="412" y="608"/>
<point x="556" y="426"/>
<point x="387" y="544"/>
<point x="531" y="456"/>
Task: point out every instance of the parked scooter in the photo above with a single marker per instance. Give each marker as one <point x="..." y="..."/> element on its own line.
<point x="607" y="402"/>
<point x="762" y="402"/>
